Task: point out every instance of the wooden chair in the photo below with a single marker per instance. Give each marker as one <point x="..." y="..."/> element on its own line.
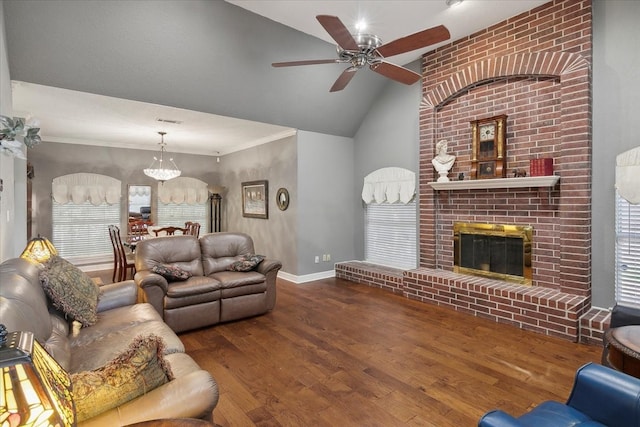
<point x="121" y="262"/>
<point x="138" y="228"/>
<point x="193" y="228"/>
<point x="170" y="231"/>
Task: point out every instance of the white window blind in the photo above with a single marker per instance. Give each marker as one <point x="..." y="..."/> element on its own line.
<point x="627" y="252"/>
<point x="172" y="214"/>
<point x="390" y="234"/>
<point x="80" y="231"/>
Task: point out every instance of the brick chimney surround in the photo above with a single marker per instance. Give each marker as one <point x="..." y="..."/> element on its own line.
<point x="536" y="69"/>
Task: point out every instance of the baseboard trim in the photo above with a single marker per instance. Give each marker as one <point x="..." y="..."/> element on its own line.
<point x="307" y="277"/>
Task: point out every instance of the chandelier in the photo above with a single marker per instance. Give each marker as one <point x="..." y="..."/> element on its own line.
<point x="162" y="173"/>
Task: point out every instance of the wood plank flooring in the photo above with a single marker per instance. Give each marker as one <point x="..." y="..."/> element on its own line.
<point x="338" y="353"/>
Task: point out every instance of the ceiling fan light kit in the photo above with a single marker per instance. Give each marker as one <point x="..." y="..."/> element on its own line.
<point x="362" y="50"/>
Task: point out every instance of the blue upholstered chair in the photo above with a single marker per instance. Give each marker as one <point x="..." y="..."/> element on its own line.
<point x="601" y="396"/>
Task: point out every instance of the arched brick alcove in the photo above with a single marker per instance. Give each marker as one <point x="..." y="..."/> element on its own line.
<point x="562" y="221"/>
<point x="572" y="155"/>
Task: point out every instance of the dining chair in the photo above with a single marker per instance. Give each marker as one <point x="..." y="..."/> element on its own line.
<point x="170" y="231"/>
<point x="122" y="259"/>
<point x="193" y="228"/>
<point x="137" y="230"/>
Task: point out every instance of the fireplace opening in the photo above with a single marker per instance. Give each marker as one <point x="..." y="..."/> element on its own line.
<point x="498" y="251"/>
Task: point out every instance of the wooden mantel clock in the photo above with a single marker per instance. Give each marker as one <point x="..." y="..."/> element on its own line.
<point x="488" y="148"/>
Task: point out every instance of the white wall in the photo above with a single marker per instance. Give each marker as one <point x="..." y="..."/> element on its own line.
<point x="13" y="206"/>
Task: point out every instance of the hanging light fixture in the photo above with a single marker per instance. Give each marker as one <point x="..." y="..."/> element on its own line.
<point x="162" y="173"/>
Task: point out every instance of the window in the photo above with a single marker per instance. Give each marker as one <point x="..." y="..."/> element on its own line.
<point x="84" y="205"/>
<point x="390" y="234"/>
<point x="172" y="214"/>
<point x="627" y="252"/>
<point x="80" y="231"/>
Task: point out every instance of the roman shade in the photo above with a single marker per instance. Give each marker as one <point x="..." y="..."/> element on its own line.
<point x="183" y="190"/>
<point x="628" y="175"/>
<point x="390" y="185"/>
<point x="79" y="188"/>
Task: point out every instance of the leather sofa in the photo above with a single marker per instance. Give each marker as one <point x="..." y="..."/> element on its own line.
<point x="24" y="306"/>
<point x="601" y="396"/>
<point x="213" y="293"/>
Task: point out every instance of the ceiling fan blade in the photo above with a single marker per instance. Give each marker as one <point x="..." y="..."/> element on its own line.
<point x="308" y="62"/>
<point x="336" y="29"/>
<point x="415" y="41"/>
<point x="395" y="72"/>
<point x="344" y="79"/>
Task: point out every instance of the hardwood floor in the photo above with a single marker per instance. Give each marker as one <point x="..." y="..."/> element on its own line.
<point x="338" y="353"/>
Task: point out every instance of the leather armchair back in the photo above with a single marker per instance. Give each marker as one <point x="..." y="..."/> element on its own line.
<point x="182" y="251"/>
<point x="220" y="250"/>
<point x="23" y="303"/>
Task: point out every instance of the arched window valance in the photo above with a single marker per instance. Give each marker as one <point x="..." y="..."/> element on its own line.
<point x="389" y="185"/>
<point x="183" y="190"/>
<point x="628" y="175"/>
<point x="79" y="188"/>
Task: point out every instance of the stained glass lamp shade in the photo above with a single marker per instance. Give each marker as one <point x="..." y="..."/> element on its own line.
<point x="34" y="389"/>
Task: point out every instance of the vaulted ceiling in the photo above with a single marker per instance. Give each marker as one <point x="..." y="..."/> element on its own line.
<point x="110" y="69"/>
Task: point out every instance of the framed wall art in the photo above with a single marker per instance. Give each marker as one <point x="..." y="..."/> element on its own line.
<point x="282" y="199"/>
<point x="255" y="199"/>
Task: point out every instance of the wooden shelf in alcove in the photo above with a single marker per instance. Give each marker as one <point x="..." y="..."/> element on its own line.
<point x="475" y="184"/>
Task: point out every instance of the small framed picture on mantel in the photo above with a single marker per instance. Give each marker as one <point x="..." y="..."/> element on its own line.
<point x="255" y="199"/>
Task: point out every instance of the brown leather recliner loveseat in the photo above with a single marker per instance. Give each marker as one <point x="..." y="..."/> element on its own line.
<point x="24" y="306"/>
<point x="213" y="293"/>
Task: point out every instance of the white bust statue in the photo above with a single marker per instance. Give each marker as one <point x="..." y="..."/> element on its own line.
<point x="443" y="161"/>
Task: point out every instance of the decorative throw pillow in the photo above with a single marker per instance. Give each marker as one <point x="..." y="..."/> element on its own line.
<point x="135" y="372"/>
<point x="246" y="263"/>
<point x="71" y="290"/>
<point x="171" y="272"/>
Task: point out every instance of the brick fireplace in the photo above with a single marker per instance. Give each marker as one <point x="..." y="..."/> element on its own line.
<point x="535" y="69"/>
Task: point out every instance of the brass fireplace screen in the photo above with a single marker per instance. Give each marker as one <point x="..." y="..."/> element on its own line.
<point x="497" y="251"/>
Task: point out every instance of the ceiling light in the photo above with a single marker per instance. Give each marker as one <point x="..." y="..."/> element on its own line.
<point x="361" y="25"/>
<point x="161" y="173"/>
<point x="453" y="2"/>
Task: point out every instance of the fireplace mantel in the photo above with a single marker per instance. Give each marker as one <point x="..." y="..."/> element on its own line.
<point x="474" y="184"/>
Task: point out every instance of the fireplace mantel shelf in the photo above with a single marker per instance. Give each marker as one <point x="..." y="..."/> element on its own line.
<point x="474" y="184"/>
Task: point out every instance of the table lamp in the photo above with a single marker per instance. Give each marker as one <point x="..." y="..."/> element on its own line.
<point x="39" y="249"/>
<point x="34" y="389"/>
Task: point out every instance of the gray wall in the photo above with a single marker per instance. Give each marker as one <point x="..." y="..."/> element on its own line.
<point x="277" y="163"/>
<point x="389" y="136"/>
<point x="325" y="201"/>
<point x="616" y="108"/>
<point x="51" y="160"/>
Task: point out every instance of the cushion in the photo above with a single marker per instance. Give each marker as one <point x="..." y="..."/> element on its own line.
<point x="246" y="263"/>
<point x="134" y="372"/>
<point x="70" y="290"/>
<point x="171" y="272"/>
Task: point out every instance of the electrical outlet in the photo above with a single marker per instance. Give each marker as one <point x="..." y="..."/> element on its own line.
<point x="324" y="257"/>
<point x="328" y="257"/>
<point x="317" y="259"/>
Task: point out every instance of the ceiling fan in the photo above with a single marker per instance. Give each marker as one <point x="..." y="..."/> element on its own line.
<point x="360" y="50"/>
